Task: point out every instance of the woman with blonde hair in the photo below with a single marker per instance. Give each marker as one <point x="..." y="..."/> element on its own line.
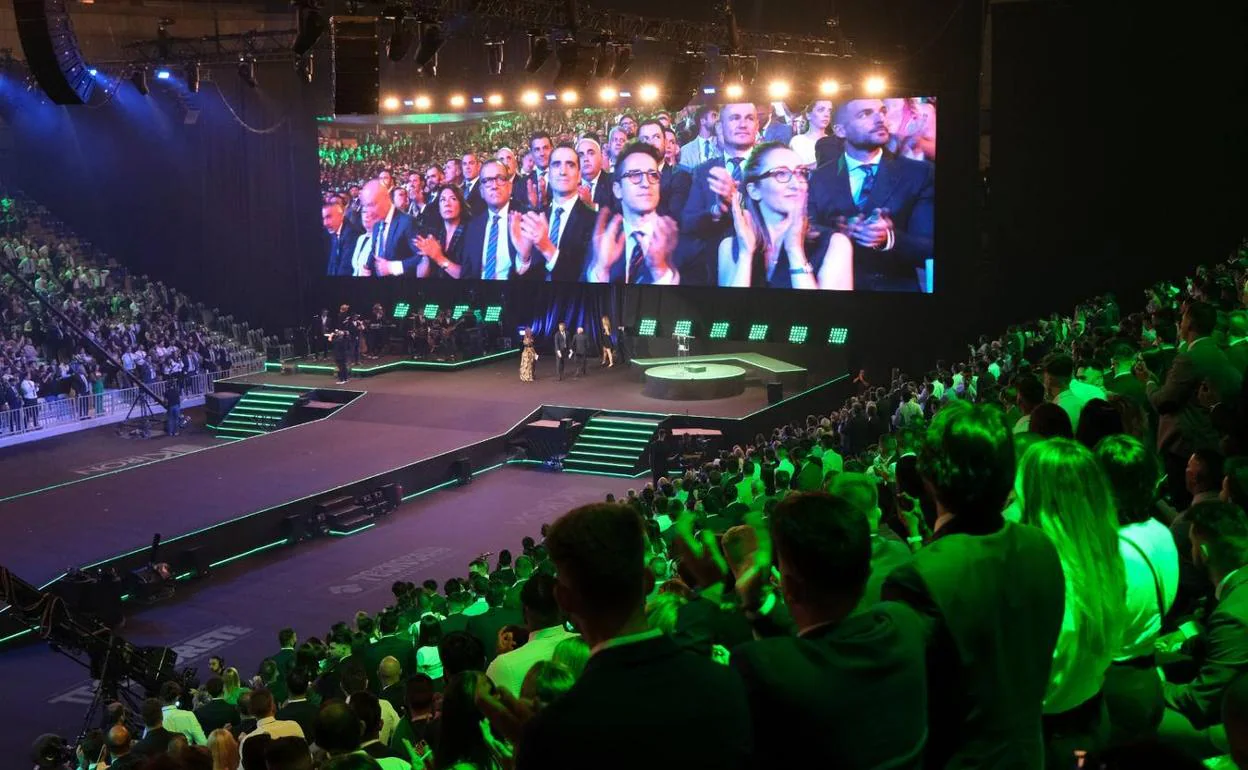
<point x="224" y="750"/>
<point x="607" y="343"/>
<point x="1062" y="490"/>
<point x="233" y="685"/>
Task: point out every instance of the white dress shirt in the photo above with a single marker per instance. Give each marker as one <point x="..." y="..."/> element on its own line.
<point x="1159" y="556"/>
<point x="509" y="669"/>
<point x="359" y="258"/>
<point x="502" y="269"/>
<point x="274" y="728"/>
<point x="556" y="236"/>
<point x="645" y="227"/>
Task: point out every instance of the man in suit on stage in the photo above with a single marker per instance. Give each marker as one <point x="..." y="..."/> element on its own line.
<point x="674" y="183"/>
<point x="563" y="349"/>
<point x="580" y="350"/>
<point x="342" y="238"/>
<point x="561" y="232"/>
<point x="703" y="147"/>
<point x="884" y="204"/>
<point x="595" y="179"/>
<point x="493" y="240"/>
<point x="322" y="327"/>
<point x="392" y="252"/>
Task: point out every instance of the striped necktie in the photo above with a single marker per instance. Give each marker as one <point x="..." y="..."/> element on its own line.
<point x="637" y="272"/>
<point x="868" y="182"/>
<point x="554" y="226"/>
<point x="491" y="249"/>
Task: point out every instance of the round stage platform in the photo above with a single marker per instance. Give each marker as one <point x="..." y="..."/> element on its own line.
<point x="694" y="382"/>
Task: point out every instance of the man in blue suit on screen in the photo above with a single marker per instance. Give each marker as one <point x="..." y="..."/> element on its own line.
<point x="393" y="232"/>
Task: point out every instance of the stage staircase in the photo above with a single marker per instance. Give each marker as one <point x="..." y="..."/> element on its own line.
<point x="611" y="444"/>
<point x="259" y="411"/>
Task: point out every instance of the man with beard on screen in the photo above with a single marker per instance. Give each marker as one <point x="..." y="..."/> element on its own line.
<point x="883" y="204"/>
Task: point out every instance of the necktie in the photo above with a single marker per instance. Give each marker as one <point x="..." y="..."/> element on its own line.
<point x="706" y="149"/>
<point x="491" y="249"/>
<point x="735" y="163"/>
<point x="868" y="181"/>
<point x="554" y="227"/>
<point x="379" y="239"/>
<point x="637" y="272"/>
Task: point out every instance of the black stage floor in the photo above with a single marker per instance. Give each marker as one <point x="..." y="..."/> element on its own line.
<point x="402" y="418"/>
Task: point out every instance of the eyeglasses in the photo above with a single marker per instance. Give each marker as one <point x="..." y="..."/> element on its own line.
<point x="489" y="180"/>
<point x="636" y="175"/>
<point x="784" y="175"/>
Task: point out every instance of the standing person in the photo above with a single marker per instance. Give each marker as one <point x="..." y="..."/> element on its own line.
<point x="528" y="355"/>
<point x="562" y="349"/>
<point x="580" y="350"/>
<point x="608" y="344"/>
<point x="472" y="183"/>
<point x="342" y="346"/>
<point x="322" y="330"/>
<point x="97" y="388"/>
<point x="173" y="409"/>
<point x="660" y="452"/>
<point x="30" y="401"/>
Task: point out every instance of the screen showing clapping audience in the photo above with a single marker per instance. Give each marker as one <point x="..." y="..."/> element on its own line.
<point x="832" y="195"/>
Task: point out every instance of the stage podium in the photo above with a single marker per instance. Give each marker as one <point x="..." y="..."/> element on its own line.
<point x="684" y="343"/>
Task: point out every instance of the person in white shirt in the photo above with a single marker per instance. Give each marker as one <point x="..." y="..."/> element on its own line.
<point x="1064" y="390"/>
<point x="178" y="720"/>
<point x="818" y="118"/>
<point x="546" y="630"/>
<point x="264" y="709"/>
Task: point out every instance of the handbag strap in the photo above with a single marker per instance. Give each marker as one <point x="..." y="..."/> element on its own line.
<point x="1161" y="602"/>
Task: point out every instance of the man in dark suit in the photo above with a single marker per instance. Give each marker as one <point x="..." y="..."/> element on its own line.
<point x="297" y="707"/>
<point x="472" y="183"/>
<point x="532" y="190"/>
<point x="638" y="245"/>
<point x="285" y="657"/>
<point x="391" y="687"/>
<point x="987" y="664"/>
<point x="392" y="252"/>
<point x="493" y="239"/>
<point x="884" y="205"/>
<point x="563" y="349"/>
<point x="595" y="179"/>
<point x="561" y="232"/>
<point x="121" y="749"/>
<point x="1219" y="532"/>
<point x="704" y="722"/>
<point x="846" y="672"/>
<point x="487" y="625"/>
<point x="155" y="737"/>
<point x="342" y="238"/>
<point x="675" y="182"/>
<point x="217" y="712"/>
<point x="706" y="218"/>
<point x="392" y="644"/>
<point x="580" y="350"/>
<point x="1121" y="380"/>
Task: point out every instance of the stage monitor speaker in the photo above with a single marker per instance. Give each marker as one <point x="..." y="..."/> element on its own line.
<point x="356" y="79"/>
<point x="52" y="51"/>
<point x="393" y="494"/>
<point x="461" y="470"/>
<point x="775" y="392"/>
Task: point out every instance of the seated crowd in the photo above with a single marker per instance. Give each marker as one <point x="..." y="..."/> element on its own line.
<point x="1010" y="579"/>
<point x="152" y="331"/>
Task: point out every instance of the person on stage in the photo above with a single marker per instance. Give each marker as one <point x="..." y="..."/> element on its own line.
<point x="528" y="355"/>
<point x="608" y="344"/>
<point x="580" y="350"/>
<point x="322" y="328"/>
<point x="342" y="347"/>
<point x="562" y="349"/>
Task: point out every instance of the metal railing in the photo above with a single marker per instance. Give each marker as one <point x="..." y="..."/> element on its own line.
<point x="59" y="411"/>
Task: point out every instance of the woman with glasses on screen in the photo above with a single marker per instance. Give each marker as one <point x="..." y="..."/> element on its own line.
<point x="768" y="246"/>
<point x="444" y="246"/>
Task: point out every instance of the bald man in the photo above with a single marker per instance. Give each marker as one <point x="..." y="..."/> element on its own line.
<point x="393" y="689"/>
<point x="119" y="745"/>
<point x="391" y="233"/>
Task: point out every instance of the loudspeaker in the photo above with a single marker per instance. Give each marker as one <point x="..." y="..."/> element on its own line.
<point x="357" y="84"/>
<point x="52" y="51"/>
<point x="775" y="392"/>
<point x="393" y="494"/>
<point x="461" y="470"/>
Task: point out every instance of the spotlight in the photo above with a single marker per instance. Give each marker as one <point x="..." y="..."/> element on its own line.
<point x="684" y="78"/>
<point x="568" y="97"/>
<point x="163" y="74"/>
<point x="310" y="23"/>
<point x="604" y="58"/>
<point x="458" y="101"/>
<point x="139" y="78"/>
<point x="93" y="72"/>
<point x="423" y="102"/>
<point x="494" y="56"/>
<point x="531" y="98"/>
<point x="608" y="94"/>
<point x="192" y="78"/>
<point x="430" y="41"/>
<point x="829" y="88"/>
<point x="304" y="68"/>
<point x="539" y="51"/>
<point x="623" y="60"/>
<point x="391" y="103"/>
<point x="494" y="100"/>
<point x="648" y="92"/>
<point x="247" y="71"/>
<point x="875" y="85"/>
<point x="401" y="39"/>
<point x="734" y="90"/>
<point x="571" y="73"/>
<point x="778" y="90"/>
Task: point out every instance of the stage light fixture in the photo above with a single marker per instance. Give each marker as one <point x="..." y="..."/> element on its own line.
<point x="247" y="71"/>
<point x="402" y="309"/>
<point x="837" y="335"/>
<point x="719" y="330"/>
<point x="409" y="103"/>
<point x="648" y="327"/>
<point x="391" y="103"/>
<point x="551" y="97"/>
<point x="778" y="90"/>
<point x="401" y="39"/>
<point x="494" y="56"/>
<point x="478" y="100"/>
<point x="458" y="101"/>
<point x="539" y="51"/>
<point x="798" y="333"/>
<point x="458" y="311"/>
<point x="163" y="74"/>
<point x="430" y="41"/>
<point x="608" y="94"/>
<point x="310" y="24"/>
<point x="423" y="102"/>
<point x="531" y="98"/>
<point x="431" y="311"/>
<point x="430" y="70"/>
<point x="604" y="57"/>
<point x="734" y="90"/>
<point x="574" y="71"/>
<point x="623" y="61"/>
<point x="139" y="78"/>
<point x="829" y="88"/>
<point x="875" y="85"/>
<point x="758" y="332"/>
<point x="568" y="97"/>
<point x="683" y="327"/>
<point x="305" y="68"/>
<point x="493" y="313"/>
<point x="648" y="92"/>
<point x="192" y="78"/>
<point x="494" y="100"/>
<point x="684" y="78"/>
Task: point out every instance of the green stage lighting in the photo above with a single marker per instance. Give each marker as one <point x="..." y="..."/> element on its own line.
<point x="683" y="328"/>
<point x="648" y="327"/>
<point x="798" y="333"/>
<point x="758" y="332"/>
<point x="402" y="309"/>
<point x="719" y="330"/>
<point x="458" y="311"/>
<point x="837" y="335"/>
<point x="431" y="311"/>
<point x="493" y="313"/>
